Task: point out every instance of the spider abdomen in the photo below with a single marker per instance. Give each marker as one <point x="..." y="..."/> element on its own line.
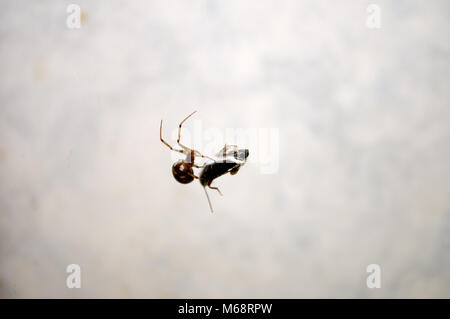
<point x="183" y="172"/>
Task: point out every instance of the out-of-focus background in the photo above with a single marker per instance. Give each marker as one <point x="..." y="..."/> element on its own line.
<point x="363" y="178"/>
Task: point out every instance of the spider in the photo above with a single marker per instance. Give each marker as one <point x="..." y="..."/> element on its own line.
<point x="228" y="160"/>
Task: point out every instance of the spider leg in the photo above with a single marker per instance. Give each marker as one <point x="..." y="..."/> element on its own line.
<point x="179" y="132"/>
<point x="185" y="148"/>
<point x="197" y="153"/>
<point x="167" y="144"/>
<point x="193" y="175"/>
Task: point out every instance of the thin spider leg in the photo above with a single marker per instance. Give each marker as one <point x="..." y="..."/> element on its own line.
<point x="197" y="153"/>
<point x="160" y="137"/>
<point x="194" y="176"/>
<point x="179" y="132"/>
<point x="187" y="149"/>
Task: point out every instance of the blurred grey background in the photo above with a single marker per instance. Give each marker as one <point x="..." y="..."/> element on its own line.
<point x="363" y="177"/>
